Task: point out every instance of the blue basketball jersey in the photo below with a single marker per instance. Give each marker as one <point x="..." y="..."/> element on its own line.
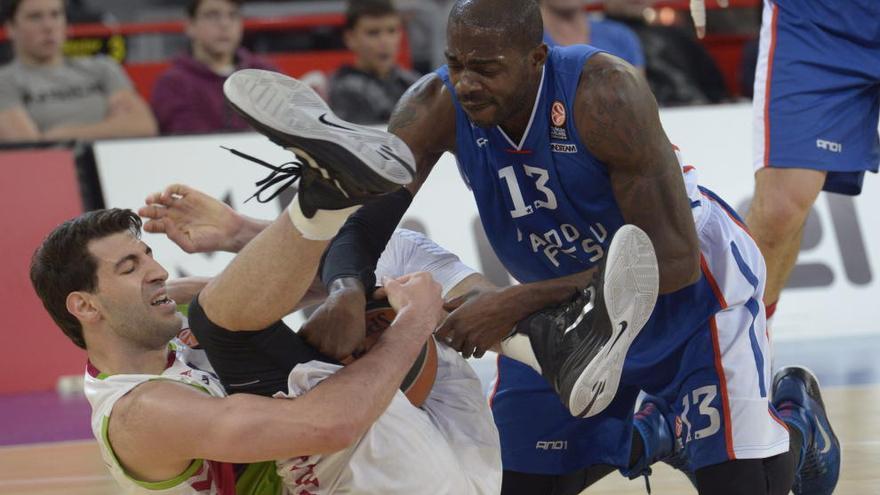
<point x="548" y="209"/>
<point x="559" y="211"/>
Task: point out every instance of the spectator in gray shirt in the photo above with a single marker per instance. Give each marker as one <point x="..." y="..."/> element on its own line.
<point x="366" y="92"/>
<point x="46" y="96"/>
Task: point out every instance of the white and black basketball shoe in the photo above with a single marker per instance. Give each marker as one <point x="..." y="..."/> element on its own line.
<point x="342" y="164"/>
<point x="581" y="345"/>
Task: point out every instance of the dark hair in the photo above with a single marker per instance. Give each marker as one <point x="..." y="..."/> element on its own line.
<point x="356" y="9"/>
<point x="193" y="6"/>
<point x="62" y="264"/>
<point x="519" y="20"/>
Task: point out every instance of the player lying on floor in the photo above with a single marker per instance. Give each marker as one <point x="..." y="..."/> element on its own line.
<point x="165" y="424"/>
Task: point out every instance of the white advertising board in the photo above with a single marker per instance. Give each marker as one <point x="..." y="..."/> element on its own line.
<point x="837" y="270"/>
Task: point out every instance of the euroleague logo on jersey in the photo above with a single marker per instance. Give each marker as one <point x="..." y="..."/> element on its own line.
<point x="557" y="114"/>
<point x="557" y="121"/>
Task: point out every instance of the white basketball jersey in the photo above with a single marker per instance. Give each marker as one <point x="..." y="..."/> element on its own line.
<point x="202" y="477"/>
<point x="449" y="446"/>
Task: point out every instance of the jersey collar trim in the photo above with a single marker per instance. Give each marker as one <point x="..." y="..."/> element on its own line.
<point x="525" y="135"/>
<point x="100" y="375"/>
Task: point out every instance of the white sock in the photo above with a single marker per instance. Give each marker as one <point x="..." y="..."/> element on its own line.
<point x="519" y="347"/>
<point x="323" y="226"/>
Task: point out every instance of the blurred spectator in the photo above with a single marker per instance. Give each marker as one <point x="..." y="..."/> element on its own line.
<point x="188" y="98"/>
<point x="567" y="23"/>
<point x="679" y="69"/>
<point x="366" y="92"/>
<point x="80" y="12"/>
<point x="44" y="95"/>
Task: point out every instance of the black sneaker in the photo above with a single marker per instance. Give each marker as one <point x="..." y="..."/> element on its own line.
<point x="581" y="345"/>
<point x="345" y="164"/>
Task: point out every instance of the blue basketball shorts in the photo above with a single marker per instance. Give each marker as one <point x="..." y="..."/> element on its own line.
<point x="705" y="350"/>
<point x="817" y="94"/>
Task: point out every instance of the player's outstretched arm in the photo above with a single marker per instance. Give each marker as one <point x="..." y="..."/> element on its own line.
<point x="161" y="426"/>
<point x="617" y="118"/>
<point x="197" y="222"/>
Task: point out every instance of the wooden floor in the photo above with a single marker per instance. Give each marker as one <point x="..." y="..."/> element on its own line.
<point x="75" y="468"/>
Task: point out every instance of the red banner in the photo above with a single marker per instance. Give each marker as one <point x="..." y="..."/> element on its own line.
<point x="38" y="191"/>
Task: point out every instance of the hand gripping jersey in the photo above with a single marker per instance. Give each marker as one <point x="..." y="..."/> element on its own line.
<point x="202" y="477"/>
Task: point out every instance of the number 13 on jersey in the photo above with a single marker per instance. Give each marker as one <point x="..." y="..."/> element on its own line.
<point x="520" y="208"/>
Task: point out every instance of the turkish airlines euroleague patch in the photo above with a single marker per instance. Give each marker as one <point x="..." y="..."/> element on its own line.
<point x="557" y="121"/>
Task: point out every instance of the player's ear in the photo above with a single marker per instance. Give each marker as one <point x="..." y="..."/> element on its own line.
<point x="81" y="305"/>
<point x="539" y="55"/>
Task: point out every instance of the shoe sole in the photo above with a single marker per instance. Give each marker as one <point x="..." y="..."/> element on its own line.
<point x="293" y="116"/>
<point x="631" y="286"/>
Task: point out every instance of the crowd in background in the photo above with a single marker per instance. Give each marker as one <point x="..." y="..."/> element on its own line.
<point x="48" y="96"/>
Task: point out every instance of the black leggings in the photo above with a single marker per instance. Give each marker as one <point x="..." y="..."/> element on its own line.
<point x="256" y="362"/>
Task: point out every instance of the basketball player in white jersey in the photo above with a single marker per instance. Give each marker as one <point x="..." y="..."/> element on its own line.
<point x="163" y="422"/>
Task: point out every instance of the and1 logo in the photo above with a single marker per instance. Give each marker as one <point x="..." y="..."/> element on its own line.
<point x="557" y="114"/>
<point x="552" y="445"/>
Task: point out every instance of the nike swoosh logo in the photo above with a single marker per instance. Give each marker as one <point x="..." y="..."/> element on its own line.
<point x="826" y="439"/>
<point x="386" y="153"/>
<point x="323" y="119"/>
<point x="623" y="326"/>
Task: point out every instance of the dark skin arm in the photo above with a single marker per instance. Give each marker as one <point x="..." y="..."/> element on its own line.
<point x="616" y="116"/>
<point x="424" y="119"/>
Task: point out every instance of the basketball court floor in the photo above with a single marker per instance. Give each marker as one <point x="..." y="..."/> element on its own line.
<point x="46" y="446"/>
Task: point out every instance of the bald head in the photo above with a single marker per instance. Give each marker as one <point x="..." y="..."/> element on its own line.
<point x="516" y="21"/>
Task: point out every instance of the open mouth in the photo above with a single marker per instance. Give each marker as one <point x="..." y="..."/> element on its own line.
<point x="162" y="300"/>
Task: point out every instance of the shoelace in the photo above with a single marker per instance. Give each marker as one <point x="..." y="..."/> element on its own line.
<point x="285" y="175"/>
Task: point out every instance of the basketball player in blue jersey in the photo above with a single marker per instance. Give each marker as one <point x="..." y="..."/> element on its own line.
<point x="816" y="107"/>
<point x="562" y="149"/>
